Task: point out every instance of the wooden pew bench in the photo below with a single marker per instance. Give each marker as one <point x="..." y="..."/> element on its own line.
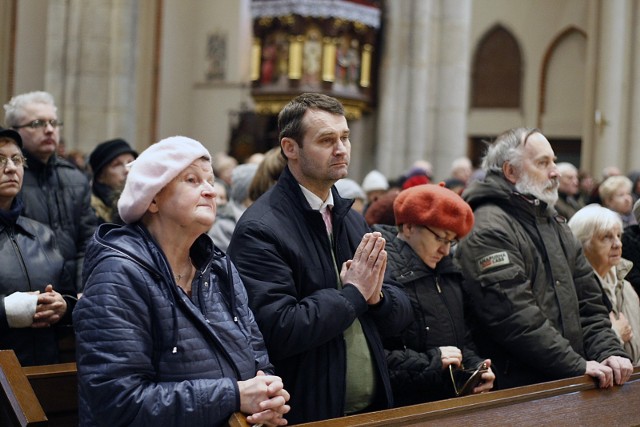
<point x="47" y="396"/>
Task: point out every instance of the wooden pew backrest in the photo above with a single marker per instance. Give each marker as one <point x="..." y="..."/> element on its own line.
<point x="37" y="395"/>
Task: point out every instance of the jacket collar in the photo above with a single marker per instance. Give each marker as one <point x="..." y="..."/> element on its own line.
<point x="292" y="189"/>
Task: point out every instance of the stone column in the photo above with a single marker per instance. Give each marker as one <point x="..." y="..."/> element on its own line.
<point x="610" y="115"/>
<point x="393" y="87"/>
<point x="91" y="69"/>
<point x="424" y="84"/>
<point x="452" y="88"/>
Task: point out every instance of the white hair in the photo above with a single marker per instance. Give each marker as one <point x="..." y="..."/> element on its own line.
<point x="14" y="109"/>
<point x="591" y="220"/>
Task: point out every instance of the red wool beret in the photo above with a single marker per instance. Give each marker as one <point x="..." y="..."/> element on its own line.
<point x="434" y="206"/>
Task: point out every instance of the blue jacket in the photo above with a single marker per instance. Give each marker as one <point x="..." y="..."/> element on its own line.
<point x="282" y="251"/>
<point x="147" y="354"/>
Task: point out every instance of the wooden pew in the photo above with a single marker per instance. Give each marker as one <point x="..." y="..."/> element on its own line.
<point x="573" y="401"/>
<point x="47" y="396"/>
<point x="37" y="395"/>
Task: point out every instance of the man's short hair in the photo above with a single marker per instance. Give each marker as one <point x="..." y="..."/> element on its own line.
<point x="290" y="118"/>
<point x="507" y="148"/>
<point x="14" y="109"/>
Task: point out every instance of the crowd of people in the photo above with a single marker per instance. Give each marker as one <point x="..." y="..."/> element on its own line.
<point x="196" y="287"/>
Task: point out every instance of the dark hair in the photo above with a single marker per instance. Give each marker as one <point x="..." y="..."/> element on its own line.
<point x="290" y="118"/>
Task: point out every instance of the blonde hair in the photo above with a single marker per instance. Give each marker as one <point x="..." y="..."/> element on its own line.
<point x="612" y="184"/>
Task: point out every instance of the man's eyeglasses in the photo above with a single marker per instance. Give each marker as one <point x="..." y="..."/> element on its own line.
<point x="37" y="124"/>
<point x="18" y="160"/>
<point x="441" y="239"/>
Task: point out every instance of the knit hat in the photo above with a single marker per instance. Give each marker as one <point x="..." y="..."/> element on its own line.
<point x="381" y="210"/>
<point x="241" y="178"/>
<point x="153" y="170"/>
<point x="415" y="176"/>
<point x="349" y="189"/>
<point x="11" y="134"/>
<point x="375" y="180"/>
<point x="636" y="210"/>
<point x="106" y="151"/>
<point x="436" y="206"/>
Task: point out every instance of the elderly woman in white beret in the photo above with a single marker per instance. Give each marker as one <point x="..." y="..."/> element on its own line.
<point x="600" y="230"/>
<point x="427" y="358"/>
<point x="164" y="332"/>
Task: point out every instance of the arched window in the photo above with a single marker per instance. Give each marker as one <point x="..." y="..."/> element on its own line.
<point x="496" y="80"/>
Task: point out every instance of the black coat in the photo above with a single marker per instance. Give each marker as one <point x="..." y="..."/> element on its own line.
<point x="631" y="252"/>
<point x="30" y="261"/>
<point x="58" y="194"/>
<point x="283" y="254"/>
<point x="437" y="300"/>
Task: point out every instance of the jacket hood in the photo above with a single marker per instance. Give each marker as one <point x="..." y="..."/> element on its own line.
<point x="496" y="190"/>
<point x="123" y="242"/>
<point x="136" y="243"/>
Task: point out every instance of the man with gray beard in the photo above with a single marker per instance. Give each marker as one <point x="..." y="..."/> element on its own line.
<point x="536" y="308"/>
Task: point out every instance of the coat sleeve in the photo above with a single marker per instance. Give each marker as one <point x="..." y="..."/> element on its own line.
<point x="411" y="371"/>
<point x="394" y="312"/>
<point x="291" y="323"/>
<point x="116" y="371"/>
<point x="495" y="278"/>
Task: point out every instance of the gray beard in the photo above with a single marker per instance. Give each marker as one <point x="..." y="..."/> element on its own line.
<point x="548" y="192"/>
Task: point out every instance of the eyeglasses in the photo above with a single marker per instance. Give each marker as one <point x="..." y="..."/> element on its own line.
<point x="441" y="239"/>
<point x="17" y="159"/>
<point x="38" y="123"/>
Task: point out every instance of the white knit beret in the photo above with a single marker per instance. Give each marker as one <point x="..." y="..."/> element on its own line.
<point x="154" y="168"/>
<point x="375" y="180"/>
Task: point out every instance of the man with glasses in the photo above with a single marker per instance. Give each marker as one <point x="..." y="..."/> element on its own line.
<point x="423" y="358"/>
<point x="54" y="191"/>
<point x="537" y="307"/>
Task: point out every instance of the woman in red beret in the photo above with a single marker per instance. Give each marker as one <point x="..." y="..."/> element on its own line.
<point x="427" y="360"/>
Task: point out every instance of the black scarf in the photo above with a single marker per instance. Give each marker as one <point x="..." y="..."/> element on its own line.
<point x="10" y="217"/>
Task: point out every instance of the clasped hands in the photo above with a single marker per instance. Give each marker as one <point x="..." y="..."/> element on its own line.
<point x="264" y="399"/>
<point x="366" y="269"/>
<point x="50" y="308"/>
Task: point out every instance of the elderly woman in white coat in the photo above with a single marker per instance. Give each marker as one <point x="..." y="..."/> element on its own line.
<point x="599" y="230"/>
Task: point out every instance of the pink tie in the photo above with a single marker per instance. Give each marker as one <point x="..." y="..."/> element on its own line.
<point x="326" y="216"/>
